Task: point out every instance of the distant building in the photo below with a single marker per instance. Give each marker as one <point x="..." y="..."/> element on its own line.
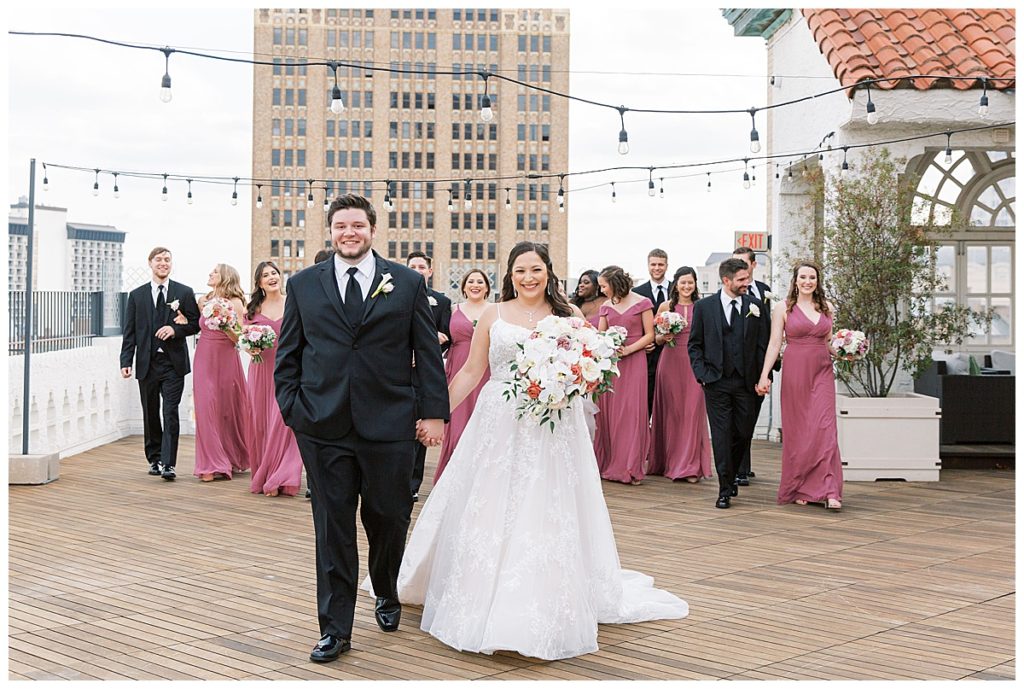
<point x="67" y="256"/>
<point x="707" y="274"/>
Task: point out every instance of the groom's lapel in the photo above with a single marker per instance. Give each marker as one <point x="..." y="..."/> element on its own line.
<point x="330" y="285"/>
<point x="371" y="301"/>
<point x="719" y="318"/>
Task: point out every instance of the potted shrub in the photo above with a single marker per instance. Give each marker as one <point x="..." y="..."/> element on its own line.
<point x="880" y="275"/>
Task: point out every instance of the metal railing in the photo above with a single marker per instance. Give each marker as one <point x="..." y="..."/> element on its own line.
<point x="63" y="320"/>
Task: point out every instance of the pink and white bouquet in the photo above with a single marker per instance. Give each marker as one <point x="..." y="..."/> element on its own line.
<point x="669" y="323"/>
<point x="220" y="315"/>
<point x="850" y="345"/>
<point x="255" y="339"/>
<point x="562" y="360"/>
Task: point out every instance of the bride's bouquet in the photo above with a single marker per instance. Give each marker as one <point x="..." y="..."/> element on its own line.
<point x="220" y="315"/>
<point x="562" y="360"/>
<point x="669" y="323"/>
<point x="850" y="345"/>
<point x="255" y="339"/>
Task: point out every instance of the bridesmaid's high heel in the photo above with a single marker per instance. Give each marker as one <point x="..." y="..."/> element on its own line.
<point x="206" y="477"/>
<point x="803" y="502"/>
<point x="691" y="479"/>
<point x="833" y="504"/>
<point x="272" y="493"/>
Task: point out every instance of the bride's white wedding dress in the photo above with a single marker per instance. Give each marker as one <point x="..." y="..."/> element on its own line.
<point x="513" y="549"/>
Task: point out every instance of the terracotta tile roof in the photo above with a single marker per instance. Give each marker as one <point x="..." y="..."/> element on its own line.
<point x="864" y="44"/>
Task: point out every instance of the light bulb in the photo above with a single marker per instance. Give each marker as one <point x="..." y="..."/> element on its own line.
<point x="309" y="201"/>
<point x="163" y="194"/>
<point x="983" y="107"/>
<point x="561" y="208"/>
<point x="95" y="188"/>
<point x="451" y="206"/>
<point x="234" y="198"/>
<point x="259" y="202"/>
<point x="661" y="192"/>
<point x="165" y="88"/>
<point x="46" y="183"/>
<point x="508" y="205"/>
<point x="190" y="198"/>
<point x="467" y="204"/>
<point x="117" y="192"/>
<point x="486" y="114"/>
<point x="746" y="180"/>
<point x="844" y="170"/>
<point x="327" y="206"/>
<point x="650" y="189"/>
<point x="755" y="142"/>
<point x="623" y="142"/>
<point x="337" y="104"/>
<point x="872" y="117"/>
<point x="948" y="160"/>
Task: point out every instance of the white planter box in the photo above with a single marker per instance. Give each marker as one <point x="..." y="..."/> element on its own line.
<point x="893" y="437"/>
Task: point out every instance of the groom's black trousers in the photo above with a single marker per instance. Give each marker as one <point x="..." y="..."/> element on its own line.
<point x="339" y="472"/>
<point x="732" y="417"/>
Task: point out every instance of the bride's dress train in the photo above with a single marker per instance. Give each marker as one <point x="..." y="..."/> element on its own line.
<point x="514" y="549"/>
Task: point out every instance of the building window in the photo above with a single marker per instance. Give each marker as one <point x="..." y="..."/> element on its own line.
<point x="275" y="247"/>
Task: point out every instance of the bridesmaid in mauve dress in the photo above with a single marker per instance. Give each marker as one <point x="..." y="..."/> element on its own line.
<point x="588" y="297"/>
<point x="812" y="470"/>
<point x="218" y="388"/>
<point x="680" y="444"/>
<point x="623" y="436"/>
<point x="274" y="454"/>
<point x="476" y="288"/>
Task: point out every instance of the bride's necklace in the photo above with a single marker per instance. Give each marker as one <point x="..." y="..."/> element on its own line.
<point x="530" y="312"/>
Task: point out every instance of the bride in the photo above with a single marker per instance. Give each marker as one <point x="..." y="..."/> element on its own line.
<point x="513" y="549"/>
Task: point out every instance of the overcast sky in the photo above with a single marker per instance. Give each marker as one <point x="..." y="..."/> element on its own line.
<point x="86" y="104"/>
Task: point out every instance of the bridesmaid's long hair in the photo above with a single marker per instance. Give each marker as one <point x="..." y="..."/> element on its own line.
<point x="619" y="280"/>
<point x="558" y="303"/>
<point x="465" y="279"/>
<point x="258" y="294"/>
<point x="673" y="301"/>
<point x="576" y="298"/>
<point x="819" y="290"/>
<point x="230" y="286"/>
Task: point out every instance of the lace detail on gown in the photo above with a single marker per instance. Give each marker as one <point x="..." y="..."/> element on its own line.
<point x="513" y="549"/>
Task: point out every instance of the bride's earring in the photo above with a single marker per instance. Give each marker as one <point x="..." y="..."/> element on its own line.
<point x="515" y="293"/>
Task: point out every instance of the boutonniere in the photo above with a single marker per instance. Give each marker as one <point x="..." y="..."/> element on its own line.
<point x="767" y="296"/>
<point x="754" y="311"/>
<point x="173" y="306"/>
<point x="431" y="300"/>
<point x="384" y="287"/>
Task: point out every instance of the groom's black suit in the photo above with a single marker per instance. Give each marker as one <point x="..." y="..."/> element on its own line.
<point x="727" y="360"/>
<point x="346" y="390"/>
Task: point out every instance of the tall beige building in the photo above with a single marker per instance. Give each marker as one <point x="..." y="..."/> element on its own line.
<point x="413" y="129"/>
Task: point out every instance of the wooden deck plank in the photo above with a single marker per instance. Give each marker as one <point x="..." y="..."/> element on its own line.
<point x="909" y="581"/>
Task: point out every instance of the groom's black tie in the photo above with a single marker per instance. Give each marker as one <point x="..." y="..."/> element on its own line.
<point x="353" y="298"/>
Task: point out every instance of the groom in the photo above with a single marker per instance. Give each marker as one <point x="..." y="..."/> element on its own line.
<point x="343" y="380"/>
<point x="728" y="339"/>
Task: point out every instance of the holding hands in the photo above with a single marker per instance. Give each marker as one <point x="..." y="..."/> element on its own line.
<point x="763" y="386"/>
<point x="430" y="432"/>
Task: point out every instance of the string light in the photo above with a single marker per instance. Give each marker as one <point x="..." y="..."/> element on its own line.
<point x="486" y="114"/>
<point x="872" y="115"/>
<point x="163" y="194"/>
<point x="753" y="176"/>
<point x="259" y="195"/>
<point x="96" y="184"/>
<point x="845" y="169"/>
<point x="337" y="104"/>
<point x="234" y="193"/>
<point x="746" y="175"/>
<point x="451" y="206"/>
<point x="755" y="142"/>
<point x="117" y="192"/>
<point x="46" y="180"/>
<point x="189" y="197"/>
<point x="165" y="83"/>
<point x="776" y="170"/>
<point x="388" y="205"/>
<point x="561" y="194"/>
<point x="613" y="192"/>
<point x="948" y="160"/>
<point x="309" y="196"/>
<point x="789" y="172"/>
<point x="623" y="136"/>
<point x="650" y="182"/>
<point x="661" y="191"/>
<point x="467" y="195"/>
<point x="709" y="182"/>
<point x="327" y="198"/>
<point x="508" y="198"/>
<point x="983" y="103"/>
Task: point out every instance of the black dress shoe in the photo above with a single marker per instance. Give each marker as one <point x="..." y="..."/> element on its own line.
<point x="723" y="502"/>
<point x="169" y="474"/>
<point x="154" y="468"/>
<point x="742" y="481"/>
<point x="415" y="497"/>
<point x="308" y="493"/>
<point x="734" y="491"/>
<point x="751" y="474"/>
<point x="329" y="648"/>
<point x="388" y="613"/>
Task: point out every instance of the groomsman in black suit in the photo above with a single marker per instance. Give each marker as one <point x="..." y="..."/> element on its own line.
<point x="657" y="290"/>
<point x="762" y="292"/>
<point x="728" y="339"/>
<point x="158" y="317"/>
<point x="441" y="309"/>
<point x="343" y="379"/>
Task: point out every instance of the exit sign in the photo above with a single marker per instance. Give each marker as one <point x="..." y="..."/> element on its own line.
<point x="758" y="241"/>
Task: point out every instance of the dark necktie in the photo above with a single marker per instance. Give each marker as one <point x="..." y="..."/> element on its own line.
<point x="734" y="314"/>
<point x="159" y="316"/>
<point x="660" y="296"/>
<point x="353" y="298"/>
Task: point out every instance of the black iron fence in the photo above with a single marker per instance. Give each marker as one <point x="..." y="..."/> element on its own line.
<point x="64" y="320"/>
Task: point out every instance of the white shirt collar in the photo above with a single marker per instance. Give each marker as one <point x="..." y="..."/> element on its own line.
<point x="156" y="285"/>
<point x="365" y="266"/>
<point x="726" y="299"/>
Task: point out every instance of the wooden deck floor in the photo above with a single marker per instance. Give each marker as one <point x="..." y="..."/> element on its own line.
<point x="116" y="574"/>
